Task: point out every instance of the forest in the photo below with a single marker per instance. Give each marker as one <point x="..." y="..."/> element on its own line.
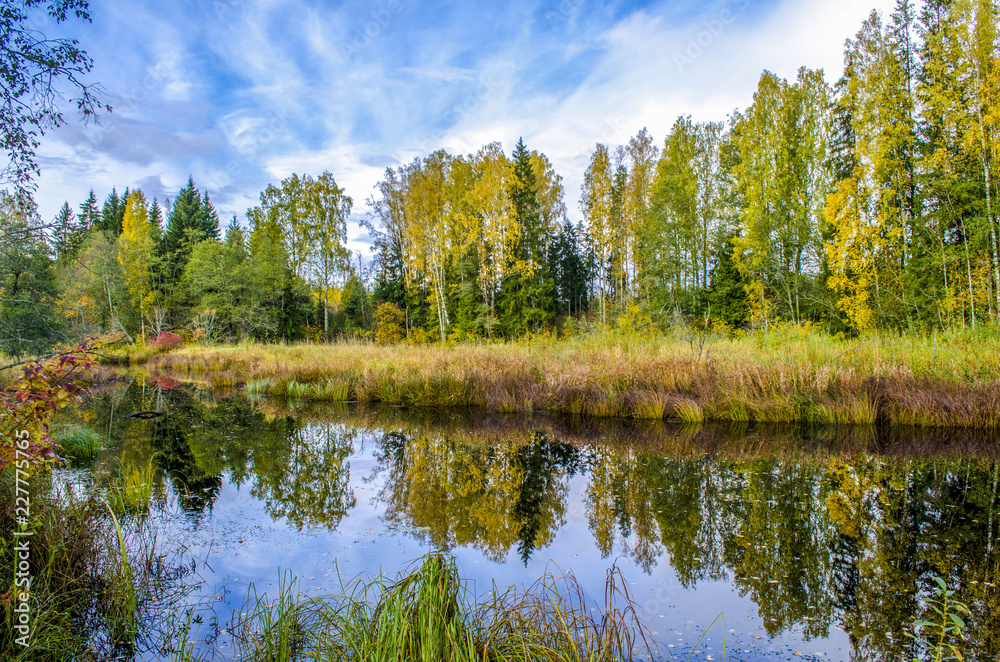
<point x="862" y="205"/>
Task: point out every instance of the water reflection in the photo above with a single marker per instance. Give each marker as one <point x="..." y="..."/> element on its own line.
<point x="822" y="528"/>
<point x="494" y="498"/>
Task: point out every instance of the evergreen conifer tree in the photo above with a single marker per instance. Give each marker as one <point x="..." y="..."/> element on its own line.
<point x="88" y="217"/>
<point x="64" y="232"/>
<point x="192" y="220"/>
<point x="109" y="221"/>
<point x="156" y="221"/>
<point x="526" y="295"/>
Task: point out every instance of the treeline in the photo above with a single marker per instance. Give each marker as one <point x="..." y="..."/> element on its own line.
<point x="870" y="203"/>
<point x="866" y="204"/>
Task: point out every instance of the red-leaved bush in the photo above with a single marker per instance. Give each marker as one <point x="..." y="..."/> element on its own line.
<point x="30" y="400"/>
<point x="166" y="341"/>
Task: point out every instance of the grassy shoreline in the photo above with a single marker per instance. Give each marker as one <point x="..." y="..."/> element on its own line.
<point x="789" y="375"/>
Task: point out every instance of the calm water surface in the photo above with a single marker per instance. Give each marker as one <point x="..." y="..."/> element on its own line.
<point x="812" y="543"/>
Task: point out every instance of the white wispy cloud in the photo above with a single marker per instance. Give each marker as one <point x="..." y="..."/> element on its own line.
<point x="240" y="93"/>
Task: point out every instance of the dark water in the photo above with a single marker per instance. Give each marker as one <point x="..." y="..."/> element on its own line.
<point x="812" y="543"/>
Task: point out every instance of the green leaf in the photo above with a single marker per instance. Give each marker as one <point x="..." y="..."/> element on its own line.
<point x="958" y="621"/>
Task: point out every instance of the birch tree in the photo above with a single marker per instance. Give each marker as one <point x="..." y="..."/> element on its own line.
<point x="135" y="255"/>
<point x="595" y="202"/>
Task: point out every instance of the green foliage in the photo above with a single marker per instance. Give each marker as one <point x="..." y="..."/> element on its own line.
<point x="78" y="442"/>
<point x="113" y="213"/>
<point x="29" y="323"/>
<point x="357" y="307"/>
<point x="946" y="627"/>
<point x="726" y="296"/>
<point x="525" y="301"/>
<point x="192" y="220"/>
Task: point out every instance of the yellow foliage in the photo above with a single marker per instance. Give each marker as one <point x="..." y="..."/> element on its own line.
<point x="135" y="249"/>
<point x="852" y="251"/>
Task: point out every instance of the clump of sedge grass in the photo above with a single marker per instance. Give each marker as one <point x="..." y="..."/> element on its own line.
<point x="431" y="614"/>
<point x="78" y="442"/>
<point x="131" y="489"/>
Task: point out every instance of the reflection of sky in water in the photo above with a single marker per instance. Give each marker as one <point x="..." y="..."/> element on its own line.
<point x="242" y="543"/>
<point x="821" y="530"/>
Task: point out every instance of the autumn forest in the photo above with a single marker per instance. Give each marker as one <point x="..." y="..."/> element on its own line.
<point x="854" y="205"/>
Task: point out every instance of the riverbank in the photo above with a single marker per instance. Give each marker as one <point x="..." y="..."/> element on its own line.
<point x="789" y="375"/>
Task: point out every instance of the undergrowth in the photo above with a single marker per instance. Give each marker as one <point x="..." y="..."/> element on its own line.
<point x="99" y="581"/>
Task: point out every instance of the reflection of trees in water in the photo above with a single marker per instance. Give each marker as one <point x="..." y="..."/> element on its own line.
<point x="847" y="538"/>
<point x="840" y="542"/>
<point x="300" y="472"/>
<point x="852" y="542"/>
<point x="307" y="478"/>
<point x="493" y="497"/>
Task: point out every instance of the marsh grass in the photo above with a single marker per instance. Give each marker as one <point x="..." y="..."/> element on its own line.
<point x="788" y="375"/>
<point x="78" y="442"/>
<point x="98" y="581"/>
<point x="429" y="614"/>
<point x="131" y="489"/>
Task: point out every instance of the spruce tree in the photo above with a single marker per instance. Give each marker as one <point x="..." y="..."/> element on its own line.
<point x="109" y="221"/>
<point x="64" y="232"/>
<point x="570" y="271"/>
<point x="192" y="220"/>
<point x="208" y="219"/>
<point x="156" y="221"/>
<point x="119" y="220"/>
<point x="526" y="298"/>
<point x="89" y="216"/>
<point x="727" y="296"/>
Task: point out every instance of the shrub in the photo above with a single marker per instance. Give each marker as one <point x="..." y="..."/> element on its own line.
<point x="166" y="341"/>
<point x="389" y="321"/>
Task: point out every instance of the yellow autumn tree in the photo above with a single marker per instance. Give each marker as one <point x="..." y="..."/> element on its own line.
<point x="492" y="220"/>
<point x="867" y="210"/>
<point x="429" y="229"/>
<point x="595" y="201"/>
<point x="852" y="251"/>
<point x="135" y="254"/>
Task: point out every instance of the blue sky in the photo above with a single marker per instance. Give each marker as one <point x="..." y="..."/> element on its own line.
<point x="240" y="93"/>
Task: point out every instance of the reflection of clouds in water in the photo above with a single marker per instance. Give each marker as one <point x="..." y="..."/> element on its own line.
<point x="795" y="537"/>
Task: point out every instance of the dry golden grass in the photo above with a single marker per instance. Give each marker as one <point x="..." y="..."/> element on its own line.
<point x="785" y="376"/>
